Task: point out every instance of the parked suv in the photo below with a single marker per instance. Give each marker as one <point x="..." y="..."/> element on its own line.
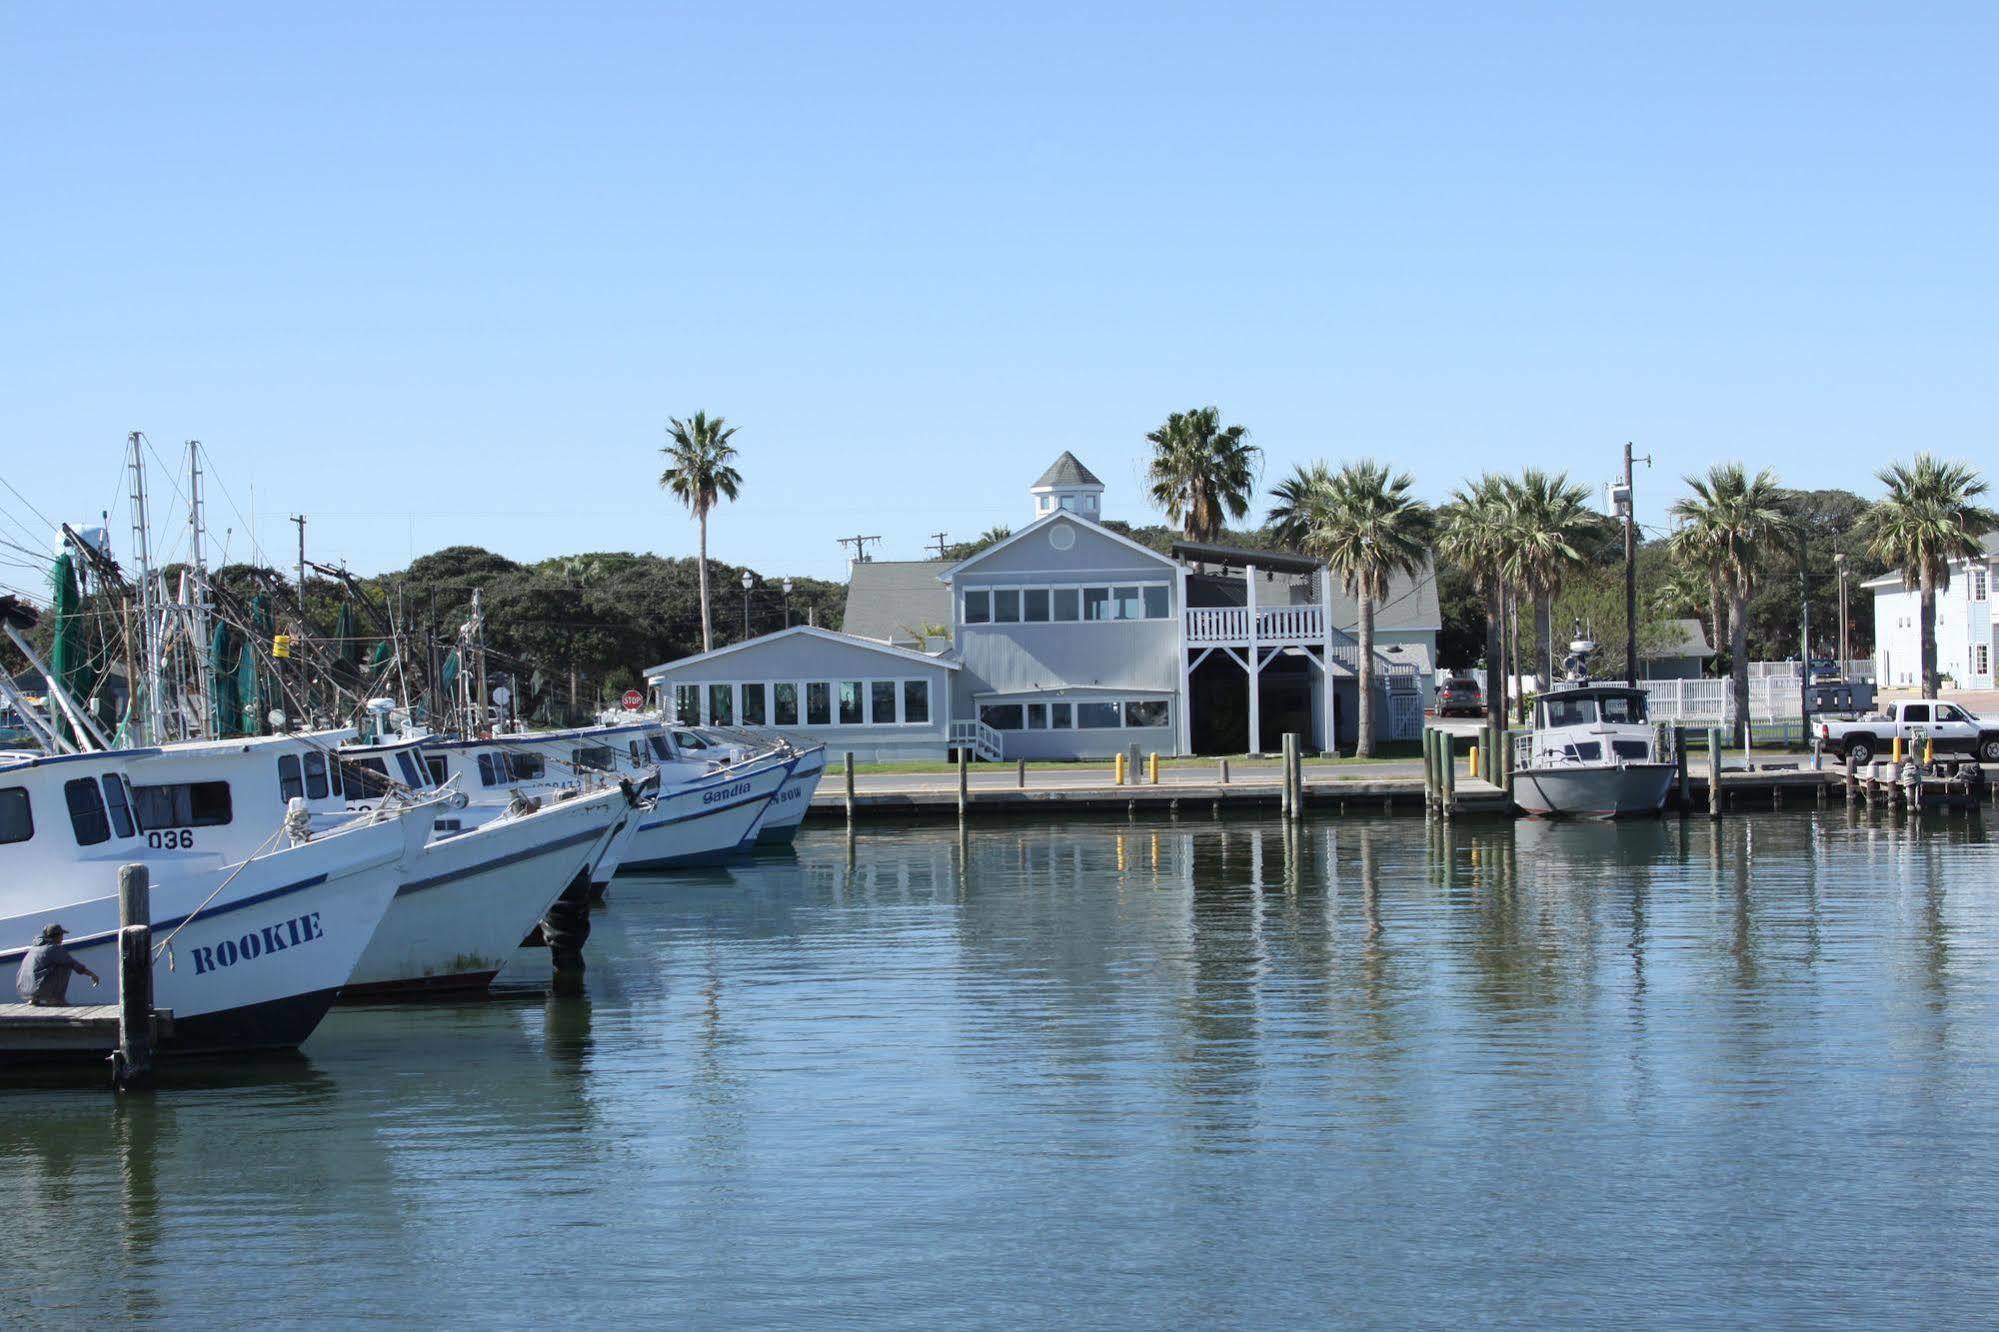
<point x="1460" y="696"/>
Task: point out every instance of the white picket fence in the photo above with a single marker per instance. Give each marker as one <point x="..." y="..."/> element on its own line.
<point x="1771" y="698"/>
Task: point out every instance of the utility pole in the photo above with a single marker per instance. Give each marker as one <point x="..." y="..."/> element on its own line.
<point x="860" y="545"/>
<point x="937" y="540"/>
<point x="1839" y="564"/>
<point x="1804" y="638"/>
<point x="1630" y="572"/>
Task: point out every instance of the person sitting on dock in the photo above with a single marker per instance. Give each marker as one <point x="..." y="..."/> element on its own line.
<point x="43" y="979"/>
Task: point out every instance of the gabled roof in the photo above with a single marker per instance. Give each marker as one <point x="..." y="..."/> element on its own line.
<point x="891" y="600"/>
<point x="1066" y="470"/>
<point x="807" y="631"/>
<point x="1060" y="515"/>
<point x="1679" y="638"/>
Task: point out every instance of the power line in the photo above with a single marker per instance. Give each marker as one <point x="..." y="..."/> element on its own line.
<point x="860" y="545"/>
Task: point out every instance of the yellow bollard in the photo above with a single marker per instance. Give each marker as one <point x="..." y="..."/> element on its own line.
<point x="1896" y="753"/>
<point x="1472" y="768"/>
<point x="1152" y="770"/>
<point x="1929" y="752"/>
<point x="1117" y="772"/>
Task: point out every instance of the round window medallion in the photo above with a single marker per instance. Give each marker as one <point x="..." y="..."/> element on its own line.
<point x="1062" y="536"/>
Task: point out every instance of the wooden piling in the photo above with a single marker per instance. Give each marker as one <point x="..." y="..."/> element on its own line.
<point x="132" y="1062"/>
<point x="1284" y="778"/>
<point x="850" y="782"/>
<point x="1225" y="772"/>
<point x="964" y="782"/>
<point x="1680" y="768"/>
<point x="1020" y="773"/>
<point x="1447" y="753"/>
<point x="1714" y="772"/>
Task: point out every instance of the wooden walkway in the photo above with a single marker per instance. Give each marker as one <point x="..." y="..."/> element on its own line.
<point x="72" y="1029"/>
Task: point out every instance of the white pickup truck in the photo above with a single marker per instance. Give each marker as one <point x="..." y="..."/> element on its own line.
<point x="1948" y="727"/>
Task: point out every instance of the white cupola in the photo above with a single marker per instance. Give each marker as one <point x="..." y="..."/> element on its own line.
<point x="1067" y="484"/>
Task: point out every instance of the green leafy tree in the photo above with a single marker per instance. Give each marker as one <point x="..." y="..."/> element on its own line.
<point x="1549" y="527"/>
<point x="1201" y="470"/>
<point x="700" y="473"/>
<point x="1731" y="526"/>
<point x="1930" y="516"/>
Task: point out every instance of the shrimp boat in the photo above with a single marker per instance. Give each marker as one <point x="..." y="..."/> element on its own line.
<point x="1591" y="754"/>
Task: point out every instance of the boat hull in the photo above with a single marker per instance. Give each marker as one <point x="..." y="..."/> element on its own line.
<point x="787" y="808"/>
<point x="459" y="915"/>
<point x="258" y="966"/>
<point x="714" y="818"/>
<point x="1593" y="791"/>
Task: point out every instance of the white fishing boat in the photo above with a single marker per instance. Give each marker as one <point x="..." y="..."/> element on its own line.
<point x="254" y="944"/>
<point x="788" y="807"/>
<point x="1591" y="753"/>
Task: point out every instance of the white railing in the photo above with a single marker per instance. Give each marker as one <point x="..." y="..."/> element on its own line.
<point x="1209" y="625"/>
<point x="1771" y="698"/>
<point x="1526" y="756"/>
<point x="983" y="740"/>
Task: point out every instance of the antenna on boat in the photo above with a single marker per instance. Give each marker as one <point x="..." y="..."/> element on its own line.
<point x="198" y="597"/>
<point x="149" y="657"/>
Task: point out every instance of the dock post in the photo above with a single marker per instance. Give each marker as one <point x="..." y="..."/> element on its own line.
<point x="1680" y="767"/>
<point x="132" y="1063"/>
<point x="1297" y="775"/>
<point x="1225" y="773"/>
<point x="964" y="784"/>
<point x="1430" y="779"/>
<point x="1117" y="769"/>
<point x="1020" y="773"/>
<point x="1852" y="782"/>
<point x="1284" y="777"/>
<point x="1151" y="768"/>
<point x="1448" y="768"/>
<point x="850" y="785"/>
<point x="1714" y="772"/>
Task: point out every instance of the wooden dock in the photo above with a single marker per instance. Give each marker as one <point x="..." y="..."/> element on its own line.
<point x="77" y="1029"/>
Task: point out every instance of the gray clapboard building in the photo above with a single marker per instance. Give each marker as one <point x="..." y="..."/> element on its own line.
<point x="1070" y="640"/>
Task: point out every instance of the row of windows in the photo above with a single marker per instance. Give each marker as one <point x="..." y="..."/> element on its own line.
<point x="1063" y="605"/>
<point x="104" y="807"/>
<point x="504" y="769"/>
<point x="1092" y="716"/>
<point x="809" y="703"/>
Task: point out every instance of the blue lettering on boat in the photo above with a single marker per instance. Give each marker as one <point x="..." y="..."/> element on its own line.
<point x="258" y="943"/>
<point x="726" y="793"/>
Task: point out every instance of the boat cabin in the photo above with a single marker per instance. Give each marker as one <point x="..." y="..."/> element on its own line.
<point x="1590" y="705"/>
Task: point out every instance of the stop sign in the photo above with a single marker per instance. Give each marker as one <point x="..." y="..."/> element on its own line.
<point x="633" y="698"/>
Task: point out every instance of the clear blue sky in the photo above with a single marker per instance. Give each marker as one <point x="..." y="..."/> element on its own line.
<point x="438" y="274"/>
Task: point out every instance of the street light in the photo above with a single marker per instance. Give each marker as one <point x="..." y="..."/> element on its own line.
<point x="747" y="580"/>
<point x="787" y="603"/>
<point x="1839" y="563"/>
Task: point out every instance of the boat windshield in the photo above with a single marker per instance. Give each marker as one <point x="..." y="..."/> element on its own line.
<point x="1569" y="711"/>
<point x="1624" y="708"/>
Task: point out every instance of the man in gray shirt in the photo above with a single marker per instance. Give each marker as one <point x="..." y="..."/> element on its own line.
<point x="43" y="979"/>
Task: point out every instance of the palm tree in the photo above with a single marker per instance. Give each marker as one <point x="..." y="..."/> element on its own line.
<point x="1550" y="523"/>
<point x="1929" y="517"/>
<point x="1687" y="590"/>
<point x="1363" y="523"/>
<point x="700" y="475"/>
<point x="1729" y="526"/>
<point x="1474" y="535"/>
<point x="1201" y="469"/>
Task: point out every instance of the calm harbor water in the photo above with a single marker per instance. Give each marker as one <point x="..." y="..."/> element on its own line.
<point x="1381" y="1073"/>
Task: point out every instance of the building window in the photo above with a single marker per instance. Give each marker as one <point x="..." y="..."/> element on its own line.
<point x="86" y="811"/>
<point x="1145" y="712"/>
<point x="1096" y="603"/>
<point x="881" y="702"/>
<point x="193" y="804"/>
<point x="17" y="819"/>
<point x="754" y="701"/>
<point x="721" y="705"/>
<point x="1098" y="716"/>
<point x="1155" y="602"/>
<point x="1037" y="716"/>
<point x="1981" y="660"/>
<point x="818" y="704"/>
<point x="687" y="704"/>
<point x="1978" y="584"/>
<point x="1001" y="716"/>
<point x="915" y="701"/>
<point x="1065" y="602"/>
<point x="850" y="703"/>
<point x="978" y="607"/>
<point x="1034" y="605"/>
<point x="1006" y="605"/>
<point x="784" y="700"/>
<point x="1041" y="503"/>
<point x="1129" y="607"/>
<point x="1059" y="718"/>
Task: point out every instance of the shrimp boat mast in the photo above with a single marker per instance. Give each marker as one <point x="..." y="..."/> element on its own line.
<point x="1591" y="754"/>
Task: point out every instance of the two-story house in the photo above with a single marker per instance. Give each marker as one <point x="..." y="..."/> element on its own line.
<point x="1967" y="631"/>
<point x="1071" y="640"/>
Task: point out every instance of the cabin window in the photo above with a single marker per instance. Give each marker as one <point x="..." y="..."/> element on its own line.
<point x="1064" y="603"/>
<point x="784" y="704"/>
<point x="315" y="776"/>
<point x="406" y="764"/>
<point x="1587" y="752"/>
<point x="978" y="607"/>
<point x="1145" y="712"/>
<point x="597" y="758"/>
<point x="188" y="804"/>
<point x="818" y="704"/>
<point x="1623" y="708"/>
<point x="915" y="701"/>
<point x="638" y="758"/>
<point x="1034" y="605"/>
<point x="722" y="705"/>
<point x="1630" y="749"/>
<point x="1037" y="716"/>
<point x="17" y="818"/>
<point x="333" y="776"/>
<point x="687" y="704"/>
<point x="881" y="702"/>
<point x="119" y="803"/>
<point x="1099" y="716"/>
<point x="1001" y="716"/>
<point x="1006" y="606"/>
<point x="439" y="770"/>
<point x="290" y="785"/>
<point x="850" y="703"/>
<point x="86" y="811"/>
<point x="1058" y="717"/>
<point x="1155" y="602"/>
<point x="489" y="772"/>
<point x="366" y="779"/>
<point x="1096" y="603"/>
<point x="526" y="767"/>
<point x="1571" y="711"/>
<point x="755" y="705"/>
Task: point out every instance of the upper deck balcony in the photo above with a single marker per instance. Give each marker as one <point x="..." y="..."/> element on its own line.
<point x="1229" y="626"/>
